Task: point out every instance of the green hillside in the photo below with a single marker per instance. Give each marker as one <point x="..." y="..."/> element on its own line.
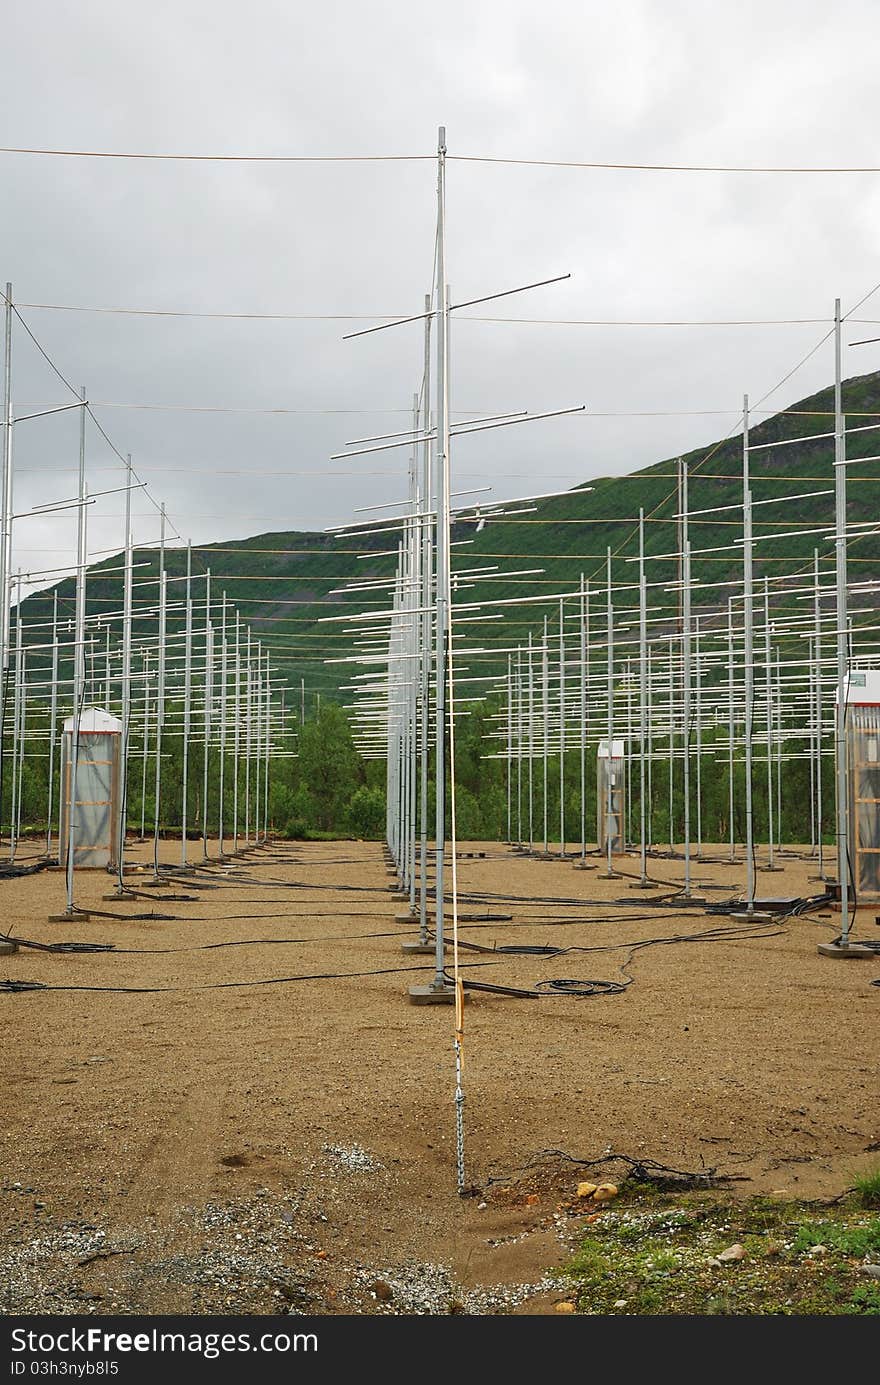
<point x="284" y="582"/>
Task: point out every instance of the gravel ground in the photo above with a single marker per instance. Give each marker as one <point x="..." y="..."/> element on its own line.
<point x="253" y="1147"/>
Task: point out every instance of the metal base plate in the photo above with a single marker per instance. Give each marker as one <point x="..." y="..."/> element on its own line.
<point x="429" y="995"/>
<point x="846" y="951"/>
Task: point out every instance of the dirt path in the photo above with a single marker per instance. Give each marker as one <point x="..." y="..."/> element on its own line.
<point x="208" y="1145"/>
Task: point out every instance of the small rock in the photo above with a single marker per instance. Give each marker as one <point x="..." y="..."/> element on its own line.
<point x="532" y="1200"/>
<point x="481" y="1206"/>
<point x="586" y="1189"/>
<point x="734" y="1252"/>
<point x="818" y="1250"/>
<point x="565" y="1306"/>
<point x="382" y="1291"/>
<point x="871" y="1270"/>
<point x="605" y="1192"/>
<point x="620" y="1302"/>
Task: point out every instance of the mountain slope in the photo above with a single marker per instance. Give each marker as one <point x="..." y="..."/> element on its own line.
<point x="283" y="583"/>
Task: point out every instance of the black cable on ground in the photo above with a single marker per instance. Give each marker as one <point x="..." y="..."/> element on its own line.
<point x="13" y="986"/>
<point x="14" y="870"/>
<point x="568" y="986"/>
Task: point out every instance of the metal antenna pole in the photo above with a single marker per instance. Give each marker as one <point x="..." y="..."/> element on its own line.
<point x="16" y="715"/>
<point x="686" y="681"/>
<point x="236" y="743"/>
<point x="247" y="741"/>
<point x="79" y="671"/>
<point x="208" y="694"/>
<point x="187" y="704"/>
<point x="5" y="520"/>
<point x="427" y="593"/>
<point x="545" y="709"/>
<point x="842" y="651"/>
<point x="778" y="721"/>
<point x="122" y="818"/>
<point x="53" y="717"/>
<point x="671" y="749"/>
<point x="509" y="745"/>
<point x="811" y="701"/>
<point x="731" y="726"/>
<point x="583" y="717"/>
<point x="222" y="723"/>
<point x="749" y="661"/>
<point x="519" y="745"/>
<point x="609" y="788"/>
<point x="643" y="704"/>
<point x="22" y="730"/>
<point x="627" y="751"/>
<point x="698" y="719"/>
<point x="146" y="745"/>
<point x="160" y="693"/>
<point x="817" y="622"/>
<point x="768" y="712"/>
<point x="266" y="741"/>
<point x="650" y="753"/>
<point x="257" y="741"/>
<point x="15" y="798"/>
<point x="442" y="487"/>
<point x="531" y="746"/>
<point x="412" y="671"/>
<point x="561" y="730"/>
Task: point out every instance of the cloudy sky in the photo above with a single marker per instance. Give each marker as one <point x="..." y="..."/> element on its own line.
<point x="773" y="83"/>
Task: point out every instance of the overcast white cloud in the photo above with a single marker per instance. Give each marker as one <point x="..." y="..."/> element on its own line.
<point x="771" y="83"/>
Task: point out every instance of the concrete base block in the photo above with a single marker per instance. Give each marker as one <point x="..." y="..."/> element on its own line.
<point x="584" y="865"/>
<point x="119" y="897"/>
<point x="7" y="948"/>
<point x="847" y="951"/>
<point x="646" y="885"/>
<point x="756" y="917"/>
<point x="415" y="949"/>
<point x="78" y="916"/>
<point x="430" y="995"/>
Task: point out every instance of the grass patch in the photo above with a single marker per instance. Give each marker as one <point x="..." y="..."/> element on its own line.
<point x="657" y="1253"/>
<point x="867" y="1189"/>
